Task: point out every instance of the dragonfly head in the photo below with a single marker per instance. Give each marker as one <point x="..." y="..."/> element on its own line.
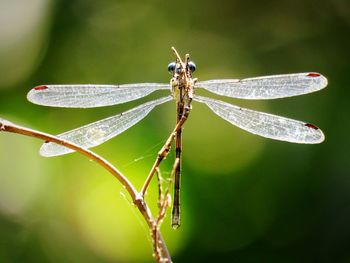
<point x="179" y="68"/>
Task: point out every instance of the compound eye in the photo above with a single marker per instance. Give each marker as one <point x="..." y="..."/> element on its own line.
<point x="191" y="66"/>
<point x="171" y="67"/>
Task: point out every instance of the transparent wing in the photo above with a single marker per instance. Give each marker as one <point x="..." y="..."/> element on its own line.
<point x="88" y="96"/>
<point x="264" y="124"/>
<point x="95" y="133"/>
<point x="268" y="87"/>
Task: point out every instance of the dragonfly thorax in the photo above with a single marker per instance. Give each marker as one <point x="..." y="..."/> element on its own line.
<point x="182" y="83"/>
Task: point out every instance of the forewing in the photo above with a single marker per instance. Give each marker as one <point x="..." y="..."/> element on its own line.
<point x="264" y="124"/>
<point x="88" y="96"/>
<point x="95" y="133"/>
<point x="268" y="87"/>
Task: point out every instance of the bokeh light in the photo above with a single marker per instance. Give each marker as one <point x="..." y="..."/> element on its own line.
<point x="244" y="198"/>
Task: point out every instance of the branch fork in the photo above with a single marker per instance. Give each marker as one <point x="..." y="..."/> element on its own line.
<point x="160" y="250"/>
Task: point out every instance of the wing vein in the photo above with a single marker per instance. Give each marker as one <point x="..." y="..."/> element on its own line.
<point x="265" y="124"/>
<point x="98" y="132"/>
<point x="268" y="87"/>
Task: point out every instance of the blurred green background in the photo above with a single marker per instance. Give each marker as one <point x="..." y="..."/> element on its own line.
<point x="244" y="198"/>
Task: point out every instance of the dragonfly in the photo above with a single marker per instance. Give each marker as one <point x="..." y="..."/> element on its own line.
<point x="182" y="89"/>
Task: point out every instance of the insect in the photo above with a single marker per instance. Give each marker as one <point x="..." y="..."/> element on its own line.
<point x="182" y="87"/>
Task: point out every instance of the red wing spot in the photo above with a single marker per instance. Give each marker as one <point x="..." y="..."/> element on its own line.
<point x="313" y="75"/>
<point x="311" y="126"/>
<point x="40" y="87"/>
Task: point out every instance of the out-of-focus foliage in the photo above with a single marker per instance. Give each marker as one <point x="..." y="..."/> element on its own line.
<point x="244" y="198"/>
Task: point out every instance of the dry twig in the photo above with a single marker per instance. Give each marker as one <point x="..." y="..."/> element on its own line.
<point x="160" y="252"/>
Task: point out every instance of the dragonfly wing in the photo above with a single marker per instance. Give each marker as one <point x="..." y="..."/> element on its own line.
<point x="95" y="133"/>
<point x="264" y="124"/>
<point x="88" y="96"/>
<point x="268" y="87"/>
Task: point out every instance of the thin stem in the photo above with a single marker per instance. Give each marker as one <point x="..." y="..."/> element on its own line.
<point x="138" y="200"/>
<point x="177" y="55"/>
<point x="167" y="199"/>
<point x="10" y="127"/>
<point x="160" y="189"/>
<point x="163" y="153"/>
